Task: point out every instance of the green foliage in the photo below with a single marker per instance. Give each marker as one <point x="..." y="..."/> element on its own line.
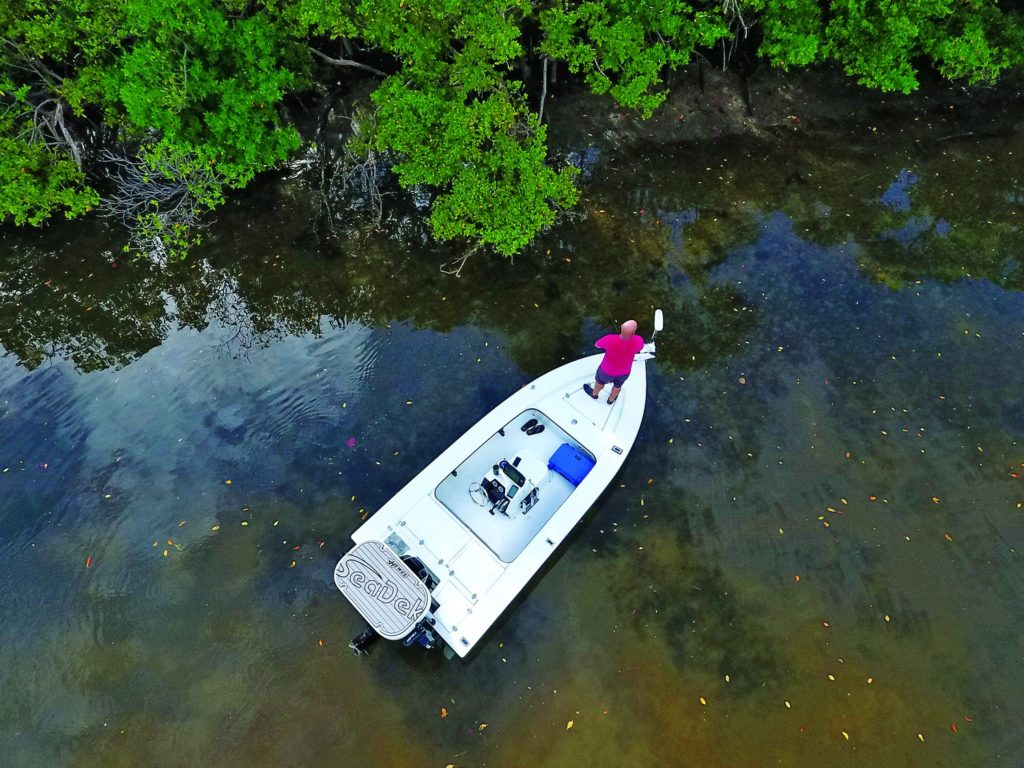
<point x="196" y="79"/>
<point x="485" y="156"/>
<point x="195" y="89"/>
<point x="883" y="42"/>
<point x="38" y="180"/>
<point x="460" y="125"/>
<point x="205" y="84"/>
<point x="35" y="181"/>
<point x="876" y="42"/>
<point x="979" y="46"/>
<point x="182" y="187"/>
<point x="791" y="31"/>
<point x="624" y="48"/>
<point x="59" y="31"/>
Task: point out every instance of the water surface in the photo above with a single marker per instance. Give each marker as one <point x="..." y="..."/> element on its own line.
<point x="812" y="557"/>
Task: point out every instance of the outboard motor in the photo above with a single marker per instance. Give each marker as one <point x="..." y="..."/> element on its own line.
<point x="361" y="643"/>
<point x="423" y="635"/>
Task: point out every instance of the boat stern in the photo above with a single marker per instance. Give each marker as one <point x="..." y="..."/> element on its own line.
<point x="388" y="595"/>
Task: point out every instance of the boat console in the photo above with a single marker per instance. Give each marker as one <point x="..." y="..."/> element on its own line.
<point x="509" y="487"/>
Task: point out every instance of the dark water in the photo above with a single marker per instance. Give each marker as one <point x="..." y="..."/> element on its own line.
<point x="814" y="556"/>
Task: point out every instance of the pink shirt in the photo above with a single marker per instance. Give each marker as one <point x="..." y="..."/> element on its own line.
<point x="618" y="353"/>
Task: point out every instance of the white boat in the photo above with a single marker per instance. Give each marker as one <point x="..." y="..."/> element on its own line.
<point x="444" y="557"/>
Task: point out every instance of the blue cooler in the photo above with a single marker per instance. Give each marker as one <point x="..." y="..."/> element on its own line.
<point x="570" y="463"/>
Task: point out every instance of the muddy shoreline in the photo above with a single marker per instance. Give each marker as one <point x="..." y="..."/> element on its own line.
<point x="707" y="109"/>
<point x="706" y="104"/>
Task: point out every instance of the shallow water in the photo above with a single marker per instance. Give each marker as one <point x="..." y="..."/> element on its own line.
<point x="813" y="556"/>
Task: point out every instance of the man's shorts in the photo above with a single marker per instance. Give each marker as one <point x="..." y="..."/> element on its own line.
<point x="615" y="381"/>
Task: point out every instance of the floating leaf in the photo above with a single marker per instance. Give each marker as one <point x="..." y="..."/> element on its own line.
<point x="88" y="561"/>
<point x="227" y="482"/>
<point x="481" y="726"/>
<point x="947" y="536"/>
<point x="321" y="642"/>
<point x="703" y="701"/>
<point x="953" y="728"/>
<point x="936" y="499"/>
<point x="444" y="713"/>
<point x="568" y="726"/>
<point x="846" y="735"/>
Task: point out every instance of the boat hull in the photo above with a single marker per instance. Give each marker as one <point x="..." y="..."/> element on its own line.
<point x="481" y="560"/>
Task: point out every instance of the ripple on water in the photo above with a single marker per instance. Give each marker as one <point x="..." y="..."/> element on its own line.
<point x="306" y="403"/>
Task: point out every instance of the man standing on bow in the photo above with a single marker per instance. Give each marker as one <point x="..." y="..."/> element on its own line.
<point x="617" y="361"/>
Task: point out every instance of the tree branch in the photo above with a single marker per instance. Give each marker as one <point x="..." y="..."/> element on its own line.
<point x="454" y="267"/>
<point x="543" y="92"/>
<point x="47" y="74"/>
<point x="347" y="63"/>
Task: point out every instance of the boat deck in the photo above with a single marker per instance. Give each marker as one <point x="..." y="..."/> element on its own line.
<point x="527" y="493"/>
<point x="478" y="562"/>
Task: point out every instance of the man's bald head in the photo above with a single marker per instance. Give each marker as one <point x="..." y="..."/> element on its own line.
<point x="628" y="329"/>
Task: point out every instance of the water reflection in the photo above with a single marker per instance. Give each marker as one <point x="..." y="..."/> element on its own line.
<point x="813" y="556"/>
<point x="673" y="218"/>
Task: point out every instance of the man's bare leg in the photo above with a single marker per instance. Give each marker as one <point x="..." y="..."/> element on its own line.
<point x="614" y="394"/>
